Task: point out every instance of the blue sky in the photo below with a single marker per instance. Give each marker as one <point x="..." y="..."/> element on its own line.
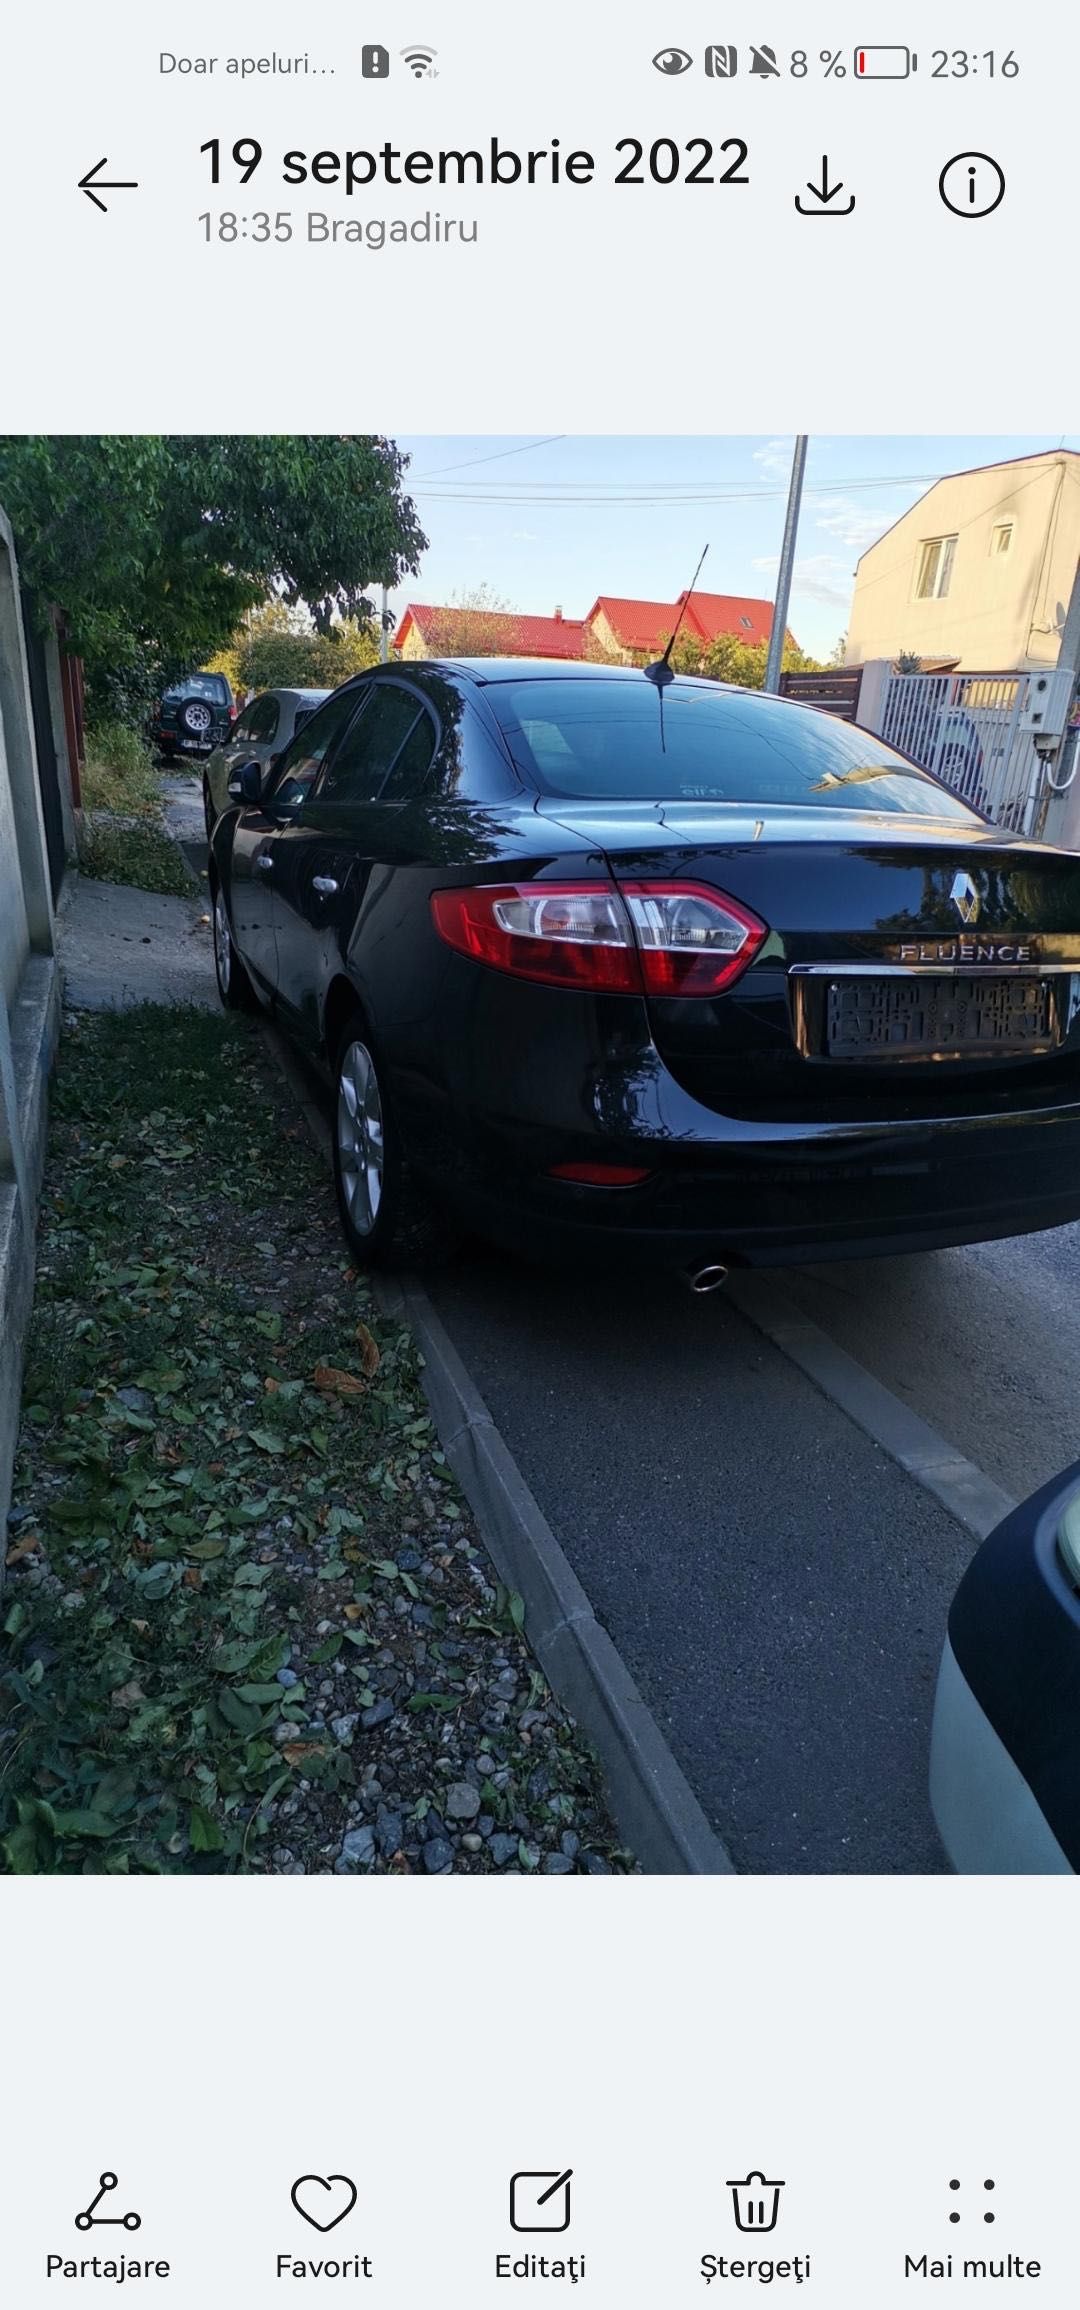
<point x="587" y="514"/>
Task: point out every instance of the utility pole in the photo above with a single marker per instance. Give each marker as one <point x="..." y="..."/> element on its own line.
<point x="384" y="628"/>
<point x="787" y="563"/>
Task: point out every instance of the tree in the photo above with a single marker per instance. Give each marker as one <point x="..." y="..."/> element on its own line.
<point x="155" y="546"/>
<point x="729" y="658"/>
<point x="278" y="648"/>
<point x="473" y="625"/>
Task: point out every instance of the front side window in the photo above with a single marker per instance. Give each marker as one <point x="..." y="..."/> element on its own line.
<point x="696" y="742"/>
<point x="359" y="769"/>
<point x="933" y="572"/>
<point x="302" y="761"/>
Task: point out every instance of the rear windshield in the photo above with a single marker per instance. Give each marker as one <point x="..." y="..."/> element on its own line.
<point x="212" y="686"/>
<point x="626" y="741"/>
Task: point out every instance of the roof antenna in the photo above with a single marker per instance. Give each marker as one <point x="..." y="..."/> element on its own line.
<point x="661" y="671"/>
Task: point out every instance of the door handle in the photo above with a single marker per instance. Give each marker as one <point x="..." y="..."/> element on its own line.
<point x="325" y="885"/>
<point x="263" y="861"/>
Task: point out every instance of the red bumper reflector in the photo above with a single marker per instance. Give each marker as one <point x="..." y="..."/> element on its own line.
<point x="599" y="1174"/>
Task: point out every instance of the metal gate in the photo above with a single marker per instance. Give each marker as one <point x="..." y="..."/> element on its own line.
<point x="980" y="734"/>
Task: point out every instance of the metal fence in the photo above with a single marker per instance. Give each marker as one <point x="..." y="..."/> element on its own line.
<point x="980" y="734"/>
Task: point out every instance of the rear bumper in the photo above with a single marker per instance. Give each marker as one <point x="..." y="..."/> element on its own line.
<point x="759" y="1204"/>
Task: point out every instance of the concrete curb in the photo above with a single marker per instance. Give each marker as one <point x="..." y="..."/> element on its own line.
<point x="652" y="1801"/>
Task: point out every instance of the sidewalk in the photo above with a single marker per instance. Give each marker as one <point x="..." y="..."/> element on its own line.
<point x="119" y="946"/>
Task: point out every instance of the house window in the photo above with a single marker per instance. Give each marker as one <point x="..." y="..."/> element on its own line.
<point x="934" y="569"/>
<point x="748" y="624"/>
<point x="1001" y="537"/>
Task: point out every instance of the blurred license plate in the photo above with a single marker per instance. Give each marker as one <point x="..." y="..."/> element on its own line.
<point x="905" y="1017"/>
<point x="190" y="745"/>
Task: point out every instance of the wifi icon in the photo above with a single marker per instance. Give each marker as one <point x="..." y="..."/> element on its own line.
<point x="421" y="63"/>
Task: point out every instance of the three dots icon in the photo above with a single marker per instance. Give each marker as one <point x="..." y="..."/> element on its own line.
<point x="955" y="2215"/>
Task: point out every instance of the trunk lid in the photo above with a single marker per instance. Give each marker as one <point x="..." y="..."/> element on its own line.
<point x="895" y="944"/>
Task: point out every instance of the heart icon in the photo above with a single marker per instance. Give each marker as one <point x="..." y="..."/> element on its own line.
<point x="326" y="2211"/>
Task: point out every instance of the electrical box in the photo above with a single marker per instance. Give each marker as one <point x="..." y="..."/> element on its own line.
<point x="1045" y="710"/>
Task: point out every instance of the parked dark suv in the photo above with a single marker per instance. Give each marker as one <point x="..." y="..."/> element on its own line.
<point x="194" y="716"/>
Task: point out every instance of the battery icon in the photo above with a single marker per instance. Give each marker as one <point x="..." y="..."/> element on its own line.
<point x="884" y="63"/>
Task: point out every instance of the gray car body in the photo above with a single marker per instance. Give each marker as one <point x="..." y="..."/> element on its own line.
<point x="270" y="736"/>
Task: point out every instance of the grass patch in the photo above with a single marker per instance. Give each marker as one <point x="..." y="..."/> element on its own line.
<point x="119" y="773"/>
<point x="245" y="1610"/>
<point x="136" y="851"/>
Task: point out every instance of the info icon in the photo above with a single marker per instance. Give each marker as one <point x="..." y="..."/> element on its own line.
<point x="375" y="62"/>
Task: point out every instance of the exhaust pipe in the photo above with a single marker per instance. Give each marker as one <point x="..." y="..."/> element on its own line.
<point x="710" y="1276"/>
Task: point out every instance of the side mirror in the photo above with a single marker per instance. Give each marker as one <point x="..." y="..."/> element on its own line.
<point x="245" y="782"/>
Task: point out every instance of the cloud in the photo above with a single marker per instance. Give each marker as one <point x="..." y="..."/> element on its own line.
<point x="818" y="577"/>
<point x="774" y="458"/>
<point x="854" y="525"/>
<point x="524" y="537"/>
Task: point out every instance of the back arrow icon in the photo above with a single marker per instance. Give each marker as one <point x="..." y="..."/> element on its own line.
<point x="825" y="194"/>
<point x="104" y="184"/>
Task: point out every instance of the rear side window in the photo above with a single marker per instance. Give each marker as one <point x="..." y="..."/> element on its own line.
<point x="213" y="687"/>
<point x="263" y="719"/>
<point x="692" y="742"/>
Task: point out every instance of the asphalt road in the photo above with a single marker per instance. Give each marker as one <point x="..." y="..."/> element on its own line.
<point x="776" y="1584"/>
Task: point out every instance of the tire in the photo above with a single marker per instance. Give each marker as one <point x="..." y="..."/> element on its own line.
<point x="387" y="1218"/>
<point x="196" y="718"/>
<point x="233" y="983"/>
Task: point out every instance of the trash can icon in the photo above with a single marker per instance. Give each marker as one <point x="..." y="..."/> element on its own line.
<point x="756" y="2202"/>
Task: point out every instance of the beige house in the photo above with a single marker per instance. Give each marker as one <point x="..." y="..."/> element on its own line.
<point x="979" y="574"/>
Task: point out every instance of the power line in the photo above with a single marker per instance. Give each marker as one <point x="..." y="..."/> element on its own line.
<point x="493" y="456"/>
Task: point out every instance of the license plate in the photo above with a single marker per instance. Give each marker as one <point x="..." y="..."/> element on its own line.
<point x="907" y="1018"/>
<point x="190" y="745"/>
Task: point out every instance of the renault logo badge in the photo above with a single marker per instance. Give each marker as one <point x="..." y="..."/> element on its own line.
<point x="965" y="898"/>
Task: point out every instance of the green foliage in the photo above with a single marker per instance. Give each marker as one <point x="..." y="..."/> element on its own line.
<point x="119" y="774"/>
<point x="156" y="545"/>
<point x="193" y="1507"/>
<point x="139" y="853"/>
<point x="728" y="659"/>
<point x="276" y="650"/>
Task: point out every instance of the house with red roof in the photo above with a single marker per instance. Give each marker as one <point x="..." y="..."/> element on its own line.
<point x="615" y="629"/>
<point x="622" y="629"/>
<point x="461" y="632"/>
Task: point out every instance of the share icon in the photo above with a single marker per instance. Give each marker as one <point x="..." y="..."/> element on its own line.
<point x="91" y="2219"/>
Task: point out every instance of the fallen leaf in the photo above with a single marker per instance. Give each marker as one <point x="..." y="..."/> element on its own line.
<point x="354" y="1611"/>
<point x="333" y="1382"/>
<point x="369" y="1358"/>
<point x="127" y="1695"/>
<point x="23" y="1548"/>
<point x="193" y="1577"/>
<point x="271" y="1386"/>
<point x="295" y="1752"/>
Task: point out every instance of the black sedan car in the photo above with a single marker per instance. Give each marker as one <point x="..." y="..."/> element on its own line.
<point x="596" y="960"/>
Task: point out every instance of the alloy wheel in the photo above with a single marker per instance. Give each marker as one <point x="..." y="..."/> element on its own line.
<point x="360" y="1136"/>
<point x="222" y="944"/>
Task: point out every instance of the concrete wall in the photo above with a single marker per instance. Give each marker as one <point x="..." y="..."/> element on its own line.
<point x="29" y="1006"/>
<point x="1003" y="611"/>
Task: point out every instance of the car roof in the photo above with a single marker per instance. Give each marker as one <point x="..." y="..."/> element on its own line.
<point x="305" y="695"/>
<point x="487" y="671"/>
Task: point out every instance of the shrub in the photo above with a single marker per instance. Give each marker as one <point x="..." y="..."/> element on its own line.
<point x="119" y="773"/>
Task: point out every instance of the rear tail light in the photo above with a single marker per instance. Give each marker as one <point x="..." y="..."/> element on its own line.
<point x="653" y="938"/>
